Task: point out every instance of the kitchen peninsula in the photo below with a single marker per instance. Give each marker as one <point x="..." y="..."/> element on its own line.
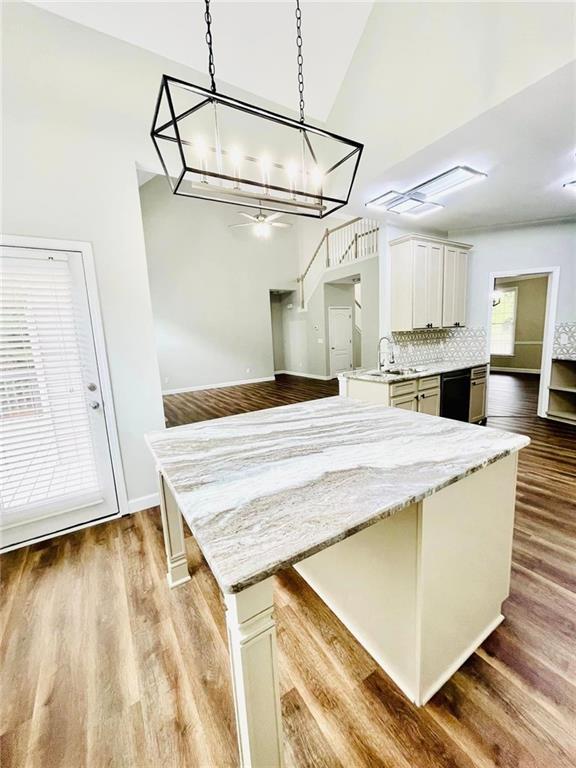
<point x="400" y="521"/>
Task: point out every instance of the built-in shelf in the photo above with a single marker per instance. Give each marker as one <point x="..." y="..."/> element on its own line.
<point x="562" y="391"/>
<point x="569" y="416"/>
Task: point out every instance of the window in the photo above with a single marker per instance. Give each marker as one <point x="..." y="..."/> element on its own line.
<point x="504" y="305"/>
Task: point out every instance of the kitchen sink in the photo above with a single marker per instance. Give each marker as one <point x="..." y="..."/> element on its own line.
<point x="396" y="371"/>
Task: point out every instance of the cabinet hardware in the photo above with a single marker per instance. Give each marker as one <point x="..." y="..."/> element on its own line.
<point x="94" y="405"/>
<point x="92" y="387"/>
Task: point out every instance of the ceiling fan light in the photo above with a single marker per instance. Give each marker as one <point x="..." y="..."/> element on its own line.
<point x="262" y="230"/>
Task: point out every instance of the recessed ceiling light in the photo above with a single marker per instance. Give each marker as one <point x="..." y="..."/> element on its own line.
<point x="455" y="177"/>
<point x="570" y="185"/>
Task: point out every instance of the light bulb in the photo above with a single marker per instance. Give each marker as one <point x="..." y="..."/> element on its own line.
<point x="236" y="161"/>
<point x="202" y="151"/>
<point x="292" y="172"/>
<point x="262" y="230"/>
<point x="200" y="147"/>
<point x="317" y="177"/>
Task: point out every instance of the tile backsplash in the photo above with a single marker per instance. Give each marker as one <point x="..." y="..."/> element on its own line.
<point x="565" y="341"/>
<point x="419" y="347"/>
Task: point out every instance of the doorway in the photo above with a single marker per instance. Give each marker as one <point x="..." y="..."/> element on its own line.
<point x="340" y="331"/>
<point x="58" y="467"/>
<point x="522" y="309"/>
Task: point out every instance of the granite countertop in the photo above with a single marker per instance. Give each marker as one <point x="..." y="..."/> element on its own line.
<point x="428" y="369"/>
<point x="263" y="490"/>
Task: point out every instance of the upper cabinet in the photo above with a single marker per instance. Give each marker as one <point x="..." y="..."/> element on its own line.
<point x="455" y="286"/>
<point x="428" y="283"/>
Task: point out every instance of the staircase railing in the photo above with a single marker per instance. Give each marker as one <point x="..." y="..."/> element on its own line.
<point x="349" y="242"/>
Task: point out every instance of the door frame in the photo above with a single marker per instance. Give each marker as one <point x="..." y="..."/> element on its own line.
<point x="553" y="275"/>
<point x="351" y="310"/>
<point x="85" y="249"/>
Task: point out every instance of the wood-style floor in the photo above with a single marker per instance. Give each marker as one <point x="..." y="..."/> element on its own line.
<point x="214" y="403"/>
<point x="103" y="665"/>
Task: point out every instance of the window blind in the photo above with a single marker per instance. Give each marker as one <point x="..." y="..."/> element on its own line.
<point x="47" y="455"/>
<point x="503" y="332"/>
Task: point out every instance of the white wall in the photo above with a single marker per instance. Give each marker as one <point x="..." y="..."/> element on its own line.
<point x="524" y="247"/>
<point x="77" y="109"/>
<point x="210" y="289"/>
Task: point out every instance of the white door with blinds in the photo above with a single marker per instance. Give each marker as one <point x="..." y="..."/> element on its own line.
<point x="56" y="469"/>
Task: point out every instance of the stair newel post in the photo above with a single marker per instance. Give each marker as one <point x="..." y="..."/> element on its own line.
<point x="355" y="246"/>
<point x="327" y="237"/>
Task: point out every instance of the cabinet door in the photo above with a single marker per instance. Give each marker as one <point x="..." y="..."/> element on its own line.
<point x="429" y="402"/>
<point x="427" y="285"/>
<point x="477" y="399"/>
<point x="420" y="285"/>
<point x="406" y="402"/>
<point x="455" y="287"/>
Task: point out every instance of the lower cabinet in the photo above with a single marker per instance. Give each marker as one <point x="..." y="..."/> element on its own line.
<point x="422" y="395"/>
<point x="429" y="402"/>
<point x="406" y="402"/>
<point x="478" y="394"/>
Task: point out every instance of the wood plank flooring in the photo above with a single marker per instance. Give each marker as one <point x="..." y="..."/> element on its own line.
<point x="205" y="404"/>
<point x="103" y="665"/>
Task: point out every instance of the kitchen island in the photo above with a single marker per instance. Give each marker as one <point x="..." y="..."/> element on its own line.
<point x="400" y="521"/>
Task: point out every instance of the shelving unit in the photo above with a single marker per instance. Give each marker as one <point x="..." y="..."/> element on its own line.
<point x="562" y="395"/>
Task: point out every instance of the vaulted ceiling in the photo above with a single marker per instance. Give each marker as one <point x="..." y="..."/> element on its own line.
<point x="254" y="42"/>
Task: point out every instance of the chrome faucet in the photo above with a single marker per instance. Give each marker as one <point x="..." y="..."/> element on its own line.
<point x="390" y="353"/>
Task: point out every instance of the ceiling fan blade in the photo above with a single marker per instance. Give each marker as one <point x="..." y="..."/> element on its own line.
<point x="247" y="215"/>
<point x="247" y="224"/>
<point x="273" y="216"/>
<point x="279" y="224"/>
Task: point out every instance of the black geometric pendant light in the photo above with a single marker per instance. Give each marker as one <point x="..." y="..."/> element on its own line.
<point x="215" y="147"/>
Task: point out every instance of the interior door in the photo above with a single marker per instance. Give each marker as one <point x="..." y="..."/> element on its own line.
<point x="340" y="332"/>
<point x="56" y="470"/>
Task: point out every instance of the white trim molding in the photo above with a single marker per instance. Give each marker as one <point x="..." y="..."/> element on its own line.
<point x="553" y="274"/>
<point x="220" y="385"/>
<point x="307" y="375"/>
<point x="503" y="369"/>
<point x="85" y="248"/>
<point x="143" y="502"/>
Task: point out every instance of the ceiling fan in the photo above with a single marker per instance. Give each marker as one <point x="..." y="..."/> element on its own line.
<point x="262" y="225"/>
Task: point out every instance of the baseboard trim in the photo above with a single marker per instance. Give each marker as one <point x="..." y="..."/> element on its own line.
<point x="500" y="369"/>
<point x="220" y="385"/>
<point x="307" y="375"/>
<point x="143" y="502"/>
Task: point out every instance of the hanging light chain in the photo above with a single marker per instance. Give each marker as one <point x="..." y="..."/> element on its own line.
<point x="211" y="67"/>
<point x="300" y="59"/>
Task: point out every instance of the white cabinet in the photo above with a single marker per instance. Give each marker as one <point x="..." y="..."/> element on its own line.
<point x="428" y="279"/>
<point x="429" y="402"/>
<point x="478" y="394"/>
<point x="455" y="276"/>
<point x="427" y="285"/>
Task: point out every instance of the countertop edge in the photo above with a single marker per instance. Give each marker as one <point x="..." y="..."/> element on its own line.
<point x="236" y="587"/>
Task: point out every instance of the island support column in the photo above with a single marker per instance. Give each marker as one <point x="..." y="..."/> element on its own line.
<point x="173" y="529"/>
<point x="252" y="646"/>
